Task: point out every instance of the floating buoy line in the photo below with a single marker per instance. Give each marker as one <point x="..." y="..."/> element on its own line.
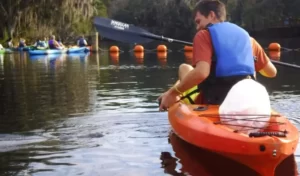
<point x="274" y="51"/>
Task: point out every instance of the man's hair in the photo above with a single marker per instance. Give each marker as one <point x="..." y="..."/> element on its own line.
<point x="205" y="6"/>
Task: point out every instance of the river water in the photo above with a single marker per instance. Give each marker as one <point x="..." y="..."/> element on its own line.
<point x="96" y="114"/>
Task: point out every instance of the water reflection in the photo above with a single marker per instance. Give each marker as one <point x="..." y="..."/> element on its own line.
<point x="275" y="55"/>
<point x="114" y="56"/>
<point x="34" y="89"/>
<point x="1" y="62"/>
<point x="139" y="57"/>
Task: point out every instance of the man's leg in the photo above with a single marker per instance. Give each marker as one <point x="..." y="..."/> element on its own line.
<point x="182" y="72"/>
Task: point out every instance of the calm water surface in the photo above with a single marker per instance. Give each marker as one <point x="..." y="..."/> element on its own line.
<point x="96" y="114"/>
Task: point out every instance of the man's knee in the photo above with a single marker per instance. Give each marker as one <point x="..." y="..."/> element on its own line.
<point x="184" y="69"/>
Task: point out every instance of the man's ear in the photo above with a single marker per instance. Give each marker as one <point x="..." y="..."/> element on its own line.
<point x="212" y="15"/>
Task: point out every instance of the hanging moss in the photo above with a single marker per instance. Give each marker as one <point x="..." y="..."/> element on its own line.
<point x="37" y="18"/>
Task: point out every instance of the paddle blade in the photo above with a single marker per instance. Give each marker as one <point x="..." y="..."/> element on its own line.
<point x="123" y="32"/>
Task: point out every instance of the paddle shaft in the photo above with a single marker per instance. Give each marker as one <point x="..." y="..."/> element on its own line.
<point x="286" y="64"/>
<point x="170" y="40"/>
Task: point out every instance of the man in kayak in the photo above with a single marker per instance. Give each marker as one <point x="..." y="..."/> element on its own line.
<point x="223" y="55"/>
<point x="39" y="44"/>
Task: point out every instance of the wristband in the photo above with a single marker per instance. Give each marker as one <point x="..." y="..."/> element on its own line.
<point x="178" y="91"/>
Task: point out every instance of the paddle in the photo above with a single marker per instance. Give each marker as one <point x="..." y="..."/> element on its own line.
<point x="286" y="64"/>
<point x="123" y="32"/>
<point x="128" y="33"/>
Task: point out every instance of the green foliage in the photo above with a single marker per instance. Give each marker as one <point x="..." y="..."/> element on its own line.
<point x="39" y="18"/>
<point x="5" y="37"/>
<point x="172" y="17"/>
<point x="100" y="7"/>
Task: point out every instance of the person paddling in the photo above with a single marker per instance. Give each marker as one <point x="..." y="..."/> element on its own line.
<point x="9" y="43"/>
<point x="61" y="45"/>
<point x="39" y="44"/>
<point x="223" y="55"/>
<point x="53" y="44"/>
<point x="22" y="43"/>
<point x="81" y="42"/>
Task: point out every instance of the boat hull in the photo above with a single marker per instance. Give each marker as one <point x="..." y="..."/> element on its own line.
<point x="202" y="131"/>
<point x="58" y="51"/>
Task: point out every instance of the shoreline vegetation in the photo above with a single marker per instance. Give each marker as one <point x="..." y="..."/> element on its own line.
<point x="68" y="19"/>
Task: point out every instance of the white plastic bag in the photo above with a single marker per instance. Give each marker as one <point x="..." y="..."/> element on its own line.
<point x="244" y="106"/>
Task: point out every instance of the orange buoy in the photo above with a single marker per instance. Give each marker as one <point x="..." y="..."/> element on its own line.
<point x="114" y="55"/>
<point x="115" y="62"/>
<point x="188" y="61"/>
<point x="274" y="47"/>
<point x="188" y="55"/>
<point x="188" y="48"/>
<point x="274" y="55"/>
<point x="162" y="48"/>
<point x="162" y="62"/>
<point x="138" y="48"/>
<point x="114" y="49"/>
<point x="162" y="55"/>
<point x="139" y="61"/>
<point x="162" y="58"/>
<point x="139" y="55"/>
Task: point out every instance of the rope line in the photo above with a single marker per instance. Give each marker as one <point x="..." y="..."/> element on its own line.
<point x="107" y="50"/>
<point x="150" y="50"/>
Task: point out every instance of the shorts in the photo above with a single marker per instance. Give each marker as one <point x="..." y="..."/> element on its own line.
<point x="190" y="96"/>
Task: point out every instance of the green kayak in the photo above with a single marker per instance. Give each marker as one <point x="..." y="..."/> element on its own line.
<point x="6" y="51"/>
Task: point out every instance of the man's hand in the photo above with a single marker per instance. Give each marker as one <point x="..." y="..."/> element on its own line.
<point x="167" y="99"/>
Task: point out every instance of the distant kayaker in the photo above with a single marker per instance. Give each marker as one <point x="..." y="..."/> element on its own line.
<point x="40" y="44"/>
<point x="223" y="55"/>
<point x="22" y="43"/>
<point x="10" y="43"/>
<point x="60" y="43"/>
<point x="81" y="42"/>
<point x="53" y="44"/>
<point x="46" y="42"/>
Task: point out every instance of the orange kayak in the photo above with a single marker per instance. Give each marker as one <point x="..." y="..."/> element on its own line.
<point x="197" y="161"/>
<point x="200" y="125"/>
